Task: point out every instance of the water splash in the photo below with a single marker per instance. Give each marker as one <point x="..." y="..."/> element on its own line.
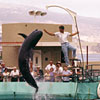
<point x="41" y="94"/>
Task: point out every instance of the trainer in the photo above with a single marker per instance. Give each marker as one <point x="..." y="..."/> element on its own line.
<point x="62" y="36"/>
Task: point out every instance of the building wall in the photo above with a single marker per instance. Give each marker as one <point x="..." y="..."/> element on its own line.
<point x="10" y="55"/>
<point x="10" y="31"/>
<point x="10" y="34"/>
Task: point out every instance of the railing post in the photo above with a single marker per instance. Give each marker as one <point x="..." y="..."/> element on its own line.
<point x="86" y="57"/>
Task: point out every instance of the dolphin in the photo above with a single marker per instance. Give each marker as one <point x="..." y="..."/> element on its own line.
<point x="23" y="58"/>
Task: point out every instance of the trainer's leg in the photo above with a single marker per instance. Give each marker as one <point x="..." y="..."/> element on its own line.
<point x="65" y="52"/>
<point x="73" y="50"/>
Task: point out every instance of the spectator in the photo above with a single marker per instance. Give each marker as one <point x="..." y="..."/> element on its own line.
<point x="3" y="66"/>
<point x="47" y="76"/>
<point x="57" y="74"/>
<point x="52" y="78"/>
<point x="5" y="75"/>
<point x="39" y="74"/>
<point x="1" y="76"/>
<point x="14" y="75"/>
<point x="60" y="67"/>
<point x="21" y="78"/>
<point x="66" y="74"/>
<point x="31" y="71"/>
<point x="30" y="64"/>
<point x="50" y="65"/>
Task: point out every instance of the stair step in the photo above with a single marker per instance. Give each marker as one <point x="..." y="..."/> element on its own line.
<point x="75" y="59"/>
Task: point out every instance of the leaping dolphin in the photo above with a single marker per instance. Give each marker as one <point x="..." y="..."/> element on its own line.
<point x="23" y="59"/>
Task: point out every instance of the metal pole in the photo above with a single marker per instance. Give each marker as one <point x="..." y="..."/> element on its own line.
<point x="87" y="57"/>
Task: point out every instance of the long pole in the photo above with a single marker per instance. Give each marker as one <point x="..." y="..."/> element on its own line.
<point x="87" y="57"/>
<point x="79" y="41"/>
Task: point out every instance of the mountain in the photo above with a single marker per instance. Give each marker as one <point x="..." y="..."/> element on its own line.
<point x="89" y="28"/>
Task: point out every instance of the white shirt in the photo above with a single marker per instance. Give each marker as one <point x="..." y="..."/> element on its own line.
<point x="32" y="73"/>
<point x="48" y="67"/>
<point x="14" y="73"/>
<point x="60" y="69"/>
<point x="5" y="74"/>
<point x="5" y="79"/>
<point x="62" y="36"/>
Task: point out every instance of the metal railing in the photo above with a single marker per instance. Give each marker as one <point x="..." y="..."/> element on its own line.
<point x="92" y="73"/>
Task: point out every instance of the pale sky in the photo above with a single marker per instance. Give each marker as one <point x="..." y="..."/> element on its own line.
<point x="88" y="8"/>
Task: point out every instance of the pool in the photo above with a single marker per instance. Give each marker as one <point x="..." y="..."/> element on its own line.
<point x="48" y="91"/>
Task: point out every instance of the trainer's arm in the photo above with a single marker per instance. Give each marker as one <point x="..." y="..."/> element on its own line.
<point x="52" y="34"/>
<point x="73" y="34"/>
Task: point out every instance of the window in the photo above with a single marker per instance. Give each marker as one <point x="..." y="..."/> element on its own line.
<point x="36" y="60"/>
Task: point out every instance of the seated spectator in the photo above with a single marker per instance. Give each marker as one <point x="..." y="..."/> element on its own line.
<point x="21" y="78"/>
<point x="5" y="75"/>
<point x="38" y="74"/>
<point x="52" y="77"/>
<point x="47" y="76"/>
<point x="50" y="65"/>
<point x="14" y="75"/>
<point x="1" y="76"/>
<point x="66" y="74"/>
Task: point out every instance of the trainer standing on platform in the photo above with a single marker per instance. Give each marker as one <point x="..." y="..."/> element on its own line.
<point x="64" y="42"/>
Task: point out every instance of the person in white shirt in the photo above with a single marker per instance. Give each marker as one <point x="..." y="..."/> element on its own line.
<point x="58" y="71"/>
<point x="14" y="75"/>
<point x="60" y="67"/>
<point x="57" y="74"/>
<point x="50" y="65"/>
<point x="5" y="75"/>
<point x="62" y="36"/>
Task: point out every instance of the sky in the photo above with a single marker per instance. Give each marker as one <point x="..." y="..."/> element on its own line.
<point x="87" y="8"/>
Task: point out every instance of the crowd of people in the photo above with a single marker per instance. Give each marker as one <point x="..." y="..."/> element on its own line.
<point x="57" y="73"/>
<point x="52" y="73"/>
<point x="7" y="74"/>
